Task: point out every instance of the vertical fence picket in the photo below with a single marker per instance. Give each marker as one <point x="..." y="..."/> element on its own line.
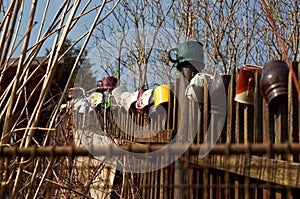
<point x="204" y="188"/>
<point x="192" y="120"/>
<point x="294" y="111"/>
<point x="230" y="137"/>
<point x="297" y="65"/>
<point x="125" y="124"/>
<point x="199" y="136"/>
<point x="266" y="120"/>
<point x="257" y="112"/>
<point x="206" y="117"/>
<point x="176" y="117"/>
<point x="144" y="190"/>
<point x="118" y="120"/>
<point x="292" y="114"/>
<point x="161" y="184"/>
<point x="151" y="182"/>
<point x="166" y="182"/>
<point x="258" y="120"/>
<point x="171" y="107"/>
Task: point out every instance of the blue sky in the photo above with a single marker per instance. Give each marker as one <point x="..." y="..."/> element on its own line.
<point x="54" y="5"/>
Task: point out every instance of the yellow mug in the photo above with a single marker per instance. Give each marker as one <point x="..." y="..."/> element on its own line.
<point x="161" y="94"/>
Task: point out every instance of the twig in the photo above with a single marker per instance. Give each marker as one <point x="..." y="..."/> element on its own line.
<point x="283" y="48"/>
<point x="60" y="185"/>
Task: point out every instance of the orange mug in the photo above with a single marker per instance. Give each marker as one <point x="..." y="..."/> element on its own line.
<point x="246" y="84"/>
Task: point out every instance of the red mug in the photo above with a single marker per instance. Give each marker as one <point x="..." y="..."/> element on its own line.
<point x="108" y="82"/>
<point x="246" y="84"/>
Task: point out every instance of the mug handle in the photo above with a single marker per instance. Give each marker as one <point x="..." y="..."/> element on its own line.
<point x="139" y="104"/>
<point x="250" y="84"/>
<point x="170" y="57"/>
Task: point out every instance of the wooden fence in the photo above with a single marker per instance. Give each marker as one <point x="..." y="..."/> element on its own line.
<point x="268" y="175"/>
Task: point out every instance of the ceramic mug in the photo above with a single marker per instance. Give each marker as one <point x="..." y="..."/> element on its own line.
<point x="190" y="51"/>
<point x="96" y="98"/>
<point x="246" y="84"/>
<point x="108" y="82"/>
<point x="195" y="90"/>
<point x="161" y="94"/>
<point x="128" y="99"/>
<point x="116" y="93"/>
<point x="274" y="81"/>
<point x="144" y="100"/>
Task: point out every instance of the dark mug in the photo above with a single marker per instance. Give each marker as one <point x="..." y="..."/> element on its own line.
<point x="190" y="51"/>
<point x="274" y="81"/>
